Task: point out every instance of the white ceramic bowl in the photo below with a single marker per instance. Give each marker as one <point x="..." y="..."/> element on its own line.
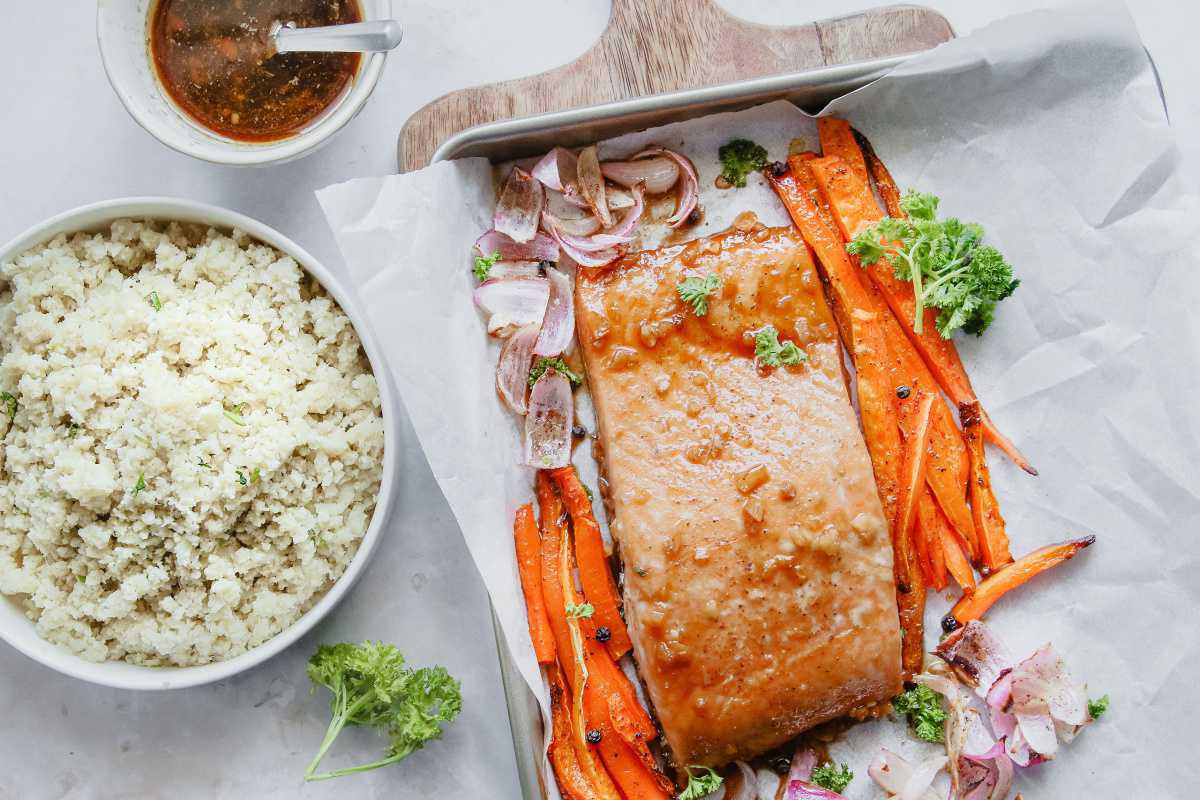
<point x="122" y="32"/>
<point x="18" y="631"/>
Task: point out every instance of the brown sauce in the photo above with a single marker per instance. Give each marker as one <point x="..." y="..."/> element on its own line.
<point x="215" y="61"/>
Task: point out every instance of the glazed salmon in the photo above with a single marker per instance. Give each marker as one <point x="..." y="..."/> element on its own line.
<point x="757" y="563"/>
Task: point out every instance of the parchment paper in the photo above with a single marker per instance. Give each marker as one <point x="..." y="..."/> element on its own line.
<point x="1049" y="129"/>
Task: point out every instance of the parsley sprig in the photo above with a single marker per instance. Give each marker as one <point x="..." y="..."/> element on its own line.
<point x="695" y="291"/>
<point x="925" y="713"/>
<point x="543" y="364"/>
<point x="581" y="611"/>
<point x="740" y="157"/>
<point x="704" y="781"/>
<point x="10" y="405"/>
<point x="771" y="353"/>
<point x="1097" y="707"/>
<point x="832" y="777"/>
<point x="946" y="262"/>
<point x="484" y="264"/>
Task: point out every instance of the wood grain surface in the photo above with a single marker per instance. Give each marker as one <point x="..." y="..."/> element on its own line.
<point x="654" y="46"/>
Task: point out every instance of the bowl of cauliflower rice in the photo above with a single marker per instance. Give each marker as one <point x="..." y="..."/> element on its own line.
<point x="194" y="464"/>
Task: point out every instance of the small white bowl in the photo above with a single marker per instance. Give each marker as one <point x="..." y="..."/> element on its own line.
<point x="18" y="631"/>
<point x="122" y="30"/>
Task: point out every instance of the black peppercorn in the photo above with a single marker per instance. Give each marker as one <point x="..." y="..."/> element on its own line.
<point x="603" y="634"/>
<point x="903" y="392"/>
<point x="778" y="169"/>
<point x="578" y="431"/>
<point x="593" y="736"/>
<point x="949" y="623"/>
<point x="543" y="266"/>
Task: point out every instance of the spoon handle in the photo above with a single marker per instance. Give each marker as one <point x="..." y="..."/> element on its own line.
<point x="374" y="36"/>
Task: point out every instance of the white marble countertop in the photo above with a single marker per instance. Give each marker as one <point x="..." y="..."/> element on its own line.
<point x="67" y="141"/>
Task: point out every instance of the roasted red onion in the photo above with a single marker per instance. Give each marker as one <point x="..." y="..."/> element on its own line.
<point x="591" y="184"/>
<point x="512" y="371"/>
<point x="597" y="258"/>
<point x="558" y="170"/>
<point x="548" y="422"/>
<point x="747" y="785"/>
<point x="520" y="206"/>
<point x="657" y="173"/>
<point x="512" y="303"/>
<point x="628" y="222"/>
<point x="503" y="270"/>
<point x="689" y="193"/>
<point x="901" y="779"/>
<point x="976" y="655"/>
<point x="559" y="323"/>
<point x="540" y="248"/>
<point x="803" y="790"/>
<point x="563" y="207"/>
<point x="804" y="761"/>
<point x="584" y="226"/>
<point x="618" y="198"/>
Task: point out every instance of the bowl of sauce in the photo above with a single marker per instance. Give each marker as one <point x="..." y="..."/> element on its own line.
<point x="203" y="77"/>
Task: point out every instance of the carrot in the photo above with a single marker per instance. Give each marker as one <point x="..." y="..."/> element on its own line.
<point x="573" y="783"/>
<point x="1005" y="579"/>
<point x="603" y="669"/>
<point x="929" y="520"/>
<point x="993" y="538"/>
<point x="530" y="568"/>
<point x="551" y="511"/>
<point x="939" y="354"/>
<point x="799" y="167"/>
<point x="838" y="139"/>
<point x="916" y="455"/>
<point x="956" y="561"/>
<point x="595" y="575"/>
<point x="624" y="766"/>
<point x="853" y="206"/>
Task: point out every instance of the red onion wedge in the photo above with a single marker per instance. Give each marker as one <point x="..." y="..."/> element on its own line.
<point x="598" y="258"/>
<point x="901" y="779"/>
<point x="633" y="216"/>
<point x="558" y="170"/>
<point x="976" y="655"/>
<point x="746" y="787"/>
<point x="512" y="303"/>
<point x="658" y="173"/>
<point x="591" y="184"/>
<point x="540" y="248"/>
<point x="618" y="198"/>
<point x="803" y="790"/>
<point x="512" y="371"/>
<point x="548" y="421"/>
<point x="559" y="322"/>
<point x="503" y="270"/>
<point x="804" y="761"/>
<point x="689" y="193"/>
<point x="585" y="226"/>
<point x="519" y="207"/>
<point x="564" y="207"/>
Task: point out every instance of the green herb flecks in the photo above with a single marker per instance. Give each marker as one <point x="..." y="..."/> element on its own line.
<point x="925" y="713"/>
<point x="140" y="485"/>
<point x="234" y="413"/>
<point x="771" y="353"/>
<point x="255" y="475"/>
<point x="72" y="430"/>
<point x="200" y="462"/>
<point x="543" y="364"/>
<point x="832" y="777"/>
<point x="702" y="781"/>
<point x="695" y="291"/>
<point x="155" y="302"/>
<point x="10" y="404"/>
<point x="739" y="158"/>
<point x="241" y="476"/>
<point x="945" y="260"/>
<point x="372" y="688"/>
<point x="1097" y="707"/>
<point x="484" y="264"/>
<point x="581" y="611"/>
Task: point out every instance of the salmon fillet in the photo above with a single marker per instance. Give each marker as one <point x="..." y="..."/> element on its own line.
<point x="757" y="565"/>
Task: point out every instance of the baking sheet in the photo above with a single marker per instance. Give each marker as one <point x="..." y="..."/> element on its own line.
<point x="1047" y="127"/>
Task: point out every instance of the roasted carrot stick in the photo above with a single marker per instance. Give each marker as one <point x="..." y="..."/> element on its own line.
<point x="551" y="512"/>
<point x="956" y="561"/>
<point x="838" y="139"/>
<point x="529" y="566"/>
<point x="573" y="783"/>
<point x="940" y="354"/>
<point x="996" y="585"/>
<point x="603" y="669"/>
<point x="627" y="770"/>
<point x="929" y="519"/>
<point x="949" y="464"/>
<point x="989" y="525"/>
<point x="912" y="473"/>
<point x="799" y="168"/>
<point x="595" y="573"/>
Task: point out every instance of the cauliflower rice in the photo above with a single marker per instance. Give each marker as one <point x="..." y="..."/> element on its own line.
<point x="192" y="442"/>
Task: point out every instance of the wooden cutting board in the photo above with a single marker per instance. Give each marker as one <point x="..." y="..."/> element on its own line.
<point x="655" y="46"/>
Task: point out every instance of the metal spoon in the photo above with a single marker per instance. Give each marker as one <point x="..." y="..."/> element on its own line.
<point x="375" y="36"/>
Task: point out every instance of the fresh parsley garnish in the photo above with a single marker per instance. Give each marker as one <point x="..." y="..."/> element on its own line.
<point x="581" y="611"/>
<point x="484" y="264"/>
<point x="832" y="777"/>
<point x="770" y="353"/>
<point x="543" y="364"/>
<point x="10" y="405"/>
<point x="949" y="267"/>
<point x="703" y="782"/>
<point x="200" y="462"/>
<point x="641" y="571"/>
<point x="241" y="477"/>
<point x="925" y="713"/>
<point x="695" y="291"/>
<point x="140" y="485"/>
<point x="255" y="475"/>
<point x="81" y="578"/>
<point x="1096" y="708"/>
<point x="155" y="302"/>
<point x="373" y="688"/>
<point x="234" y="413"/>
<point x="739" y="158"/>
<point x="72" y="430"/>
